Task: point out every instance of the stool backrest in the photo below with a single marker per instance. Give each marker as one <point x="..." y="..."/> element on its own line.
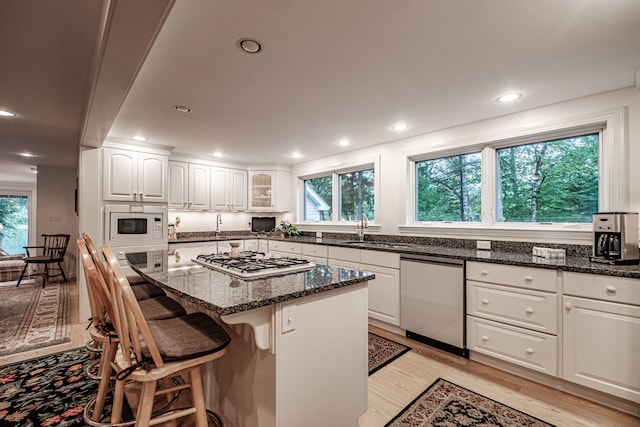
<point x="99" y="294"/>
<point x="130" y="325"/>
<point x="97" y="260"/>
<point x="55" y="245"/>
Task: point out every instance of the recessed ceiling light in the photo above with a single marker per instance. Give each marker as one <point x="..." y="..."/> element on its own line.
<point x="5" y="113"/>
<point x="343" y="142"/>
<point x="295" y="155"/>
<point x="218" y="154"/>
<point x="249" y="45"/>
<point x="25" y="154"/>
<point x="508" y="97"/>
<point x="182" y="108"/>
<point x="400" y="127"/>
<point x="139" y="138"/>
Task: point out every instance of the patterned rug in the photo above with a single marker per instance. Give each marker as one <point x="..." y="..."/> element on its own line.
<point x="447" y="404"/>
<point x="33" y="317"/>
<point x="48" y="391"/>
<point x="383" y="351"/>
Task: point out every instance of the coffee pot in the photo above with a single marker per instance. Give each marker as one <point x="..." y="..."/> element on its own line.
<point x="615" y="238"/>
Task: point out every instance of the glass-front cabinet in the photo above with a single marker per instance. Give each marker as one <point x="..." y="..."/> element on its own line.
<point x="269" y="191"/>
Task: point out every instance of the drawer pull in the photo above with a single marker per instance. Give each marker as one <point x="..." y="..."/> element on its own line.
<point x="528" y="278"/>
<point x="485" y="301"/>
<point x="529" y="351"/>
<point x="611" y="289"/>
<point x="484" y="272"/>
<point x="568" y="306"/>
<point x="484" y="338"/>
<point x="529" y="310"/>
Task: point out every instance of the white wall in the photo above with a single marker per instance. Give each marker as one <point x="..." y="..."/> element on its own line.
<point x="393" y="162"/>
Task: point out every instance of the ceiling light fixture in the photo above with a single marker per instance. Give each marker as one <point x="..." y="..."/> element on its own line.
<point x="182" y="108"/>
<point x="509" y="97"/>
<point x="25" y="154"/>
<point x="139" y="138"/>
<point x="343" y="142"/>
<point x="249" y="45"/>
<point x="400" y="127"/>
<point x="295" y="155"/>
<point x="5" y="113"/>
<point x="218" y="154"/>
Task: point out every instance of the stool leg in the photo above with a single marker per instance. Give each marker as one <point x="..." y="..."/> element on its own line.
<point x="197" y="394"/>
<point x="145" y="408"/>
<point x="118" y="402"/>
<point x="108" y="354"/>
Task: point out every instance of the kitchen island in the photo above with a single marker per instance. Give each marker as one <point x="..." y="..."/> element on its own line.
<point x="298" y="354"/>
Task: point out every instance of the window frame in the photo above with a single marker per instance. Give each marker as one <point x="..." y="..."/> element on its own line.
<point x="613" y="173"/>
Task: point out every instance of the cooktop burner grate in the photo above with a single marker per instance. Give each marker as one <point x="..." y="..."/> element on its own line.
<point x="253" y="264"/>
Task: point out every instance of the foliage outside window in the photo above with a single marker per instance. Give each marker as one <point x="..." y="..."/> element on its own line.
<point x="14" y="223"/>
<point x="356" y="195"/>
<point x="318" y="196"/>
<point x="449" y="188"/>
<point x="551" y="181"/>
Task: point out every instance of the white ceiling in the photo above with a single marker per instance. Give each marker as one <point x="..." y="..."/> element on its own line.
<point x="327" y="70"/>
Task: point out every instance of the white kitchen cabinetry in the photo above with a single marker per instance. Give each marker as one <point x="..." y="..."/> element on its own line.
<point x="256" y="245"/>
<point x="269" y="191"/>
<point x="188" y="186"/>
<point x="315" y="253"/>
<point x="228" y="189"/>
<point x="285" y="248"/>
<point x="512" y="314"/>
<point x="199" y="187"/>
<point x="134" y="176"/>
<point x="384" y="290"/>
<point x="601" y="325"/>
<point x="178" y="185"/>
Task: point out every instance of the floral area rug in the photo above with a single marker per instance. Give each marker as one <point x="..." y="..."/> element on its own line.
<point x="383" y="351"/>
<point x="447" y="404"/>
<point x="33" y="317"/>
<point x="48" y="391"/>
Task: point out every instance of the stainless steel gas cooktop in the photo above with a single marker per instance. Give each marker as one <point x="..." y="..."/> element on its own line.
<point x="249" y="265"/>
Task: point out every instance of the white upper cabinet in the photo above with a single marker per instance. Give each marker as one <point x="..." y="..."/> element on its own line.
<point x="178" y="185"/>
<point x="199" y="187"/>
<point x="134" y="176"/>
<point x="269" y="191"/>
<point x="228" y="189"/>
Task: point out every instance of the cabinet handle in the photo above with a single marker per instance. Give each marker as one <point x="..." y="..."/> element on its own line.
<point x="568" y="306"/>
<point x="528" y="278"/>
<point x="484" y="272"/>
<point x="485" y="301"/>
<point x="611" y="289"/>
<point x="484" y="338"/>
<point x="529" y="310"/>
<point x="529" y="351"/>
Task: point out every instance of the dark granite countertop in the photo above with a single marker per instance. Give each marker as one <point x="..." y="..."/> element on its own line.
<point x="579" y="264"/>
<point x="225" y="294"/>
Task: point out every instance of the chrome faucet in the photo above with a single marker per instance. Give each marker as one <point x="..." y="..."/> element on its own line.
<point x="218" y="222"/>
<point x="364" y="223"/>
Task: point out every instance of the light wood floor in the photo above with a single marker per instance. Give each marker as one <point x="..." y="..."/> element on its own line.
<point x="397" y="384"/>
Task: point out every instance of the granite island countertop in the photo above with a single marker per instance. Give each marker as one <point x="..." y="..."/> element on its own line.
<point x="225" y="294"/>
<point x="578" y="264"/>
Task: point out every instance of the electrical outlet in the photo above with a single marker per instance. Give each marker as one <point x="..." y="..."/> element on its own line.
<point x="318" y="234"/>
<point x="288" y="318"/>
<point x="55" y="218"/>
<point x="484" y="244"/>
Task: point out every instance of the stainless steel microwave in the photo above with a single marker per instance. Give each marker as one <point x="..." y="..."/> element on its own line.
<point x="135" y="225"/>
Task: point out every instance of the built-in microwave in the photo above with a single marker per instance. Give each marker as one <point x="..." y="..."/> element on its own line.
<point x="135" y="225"/>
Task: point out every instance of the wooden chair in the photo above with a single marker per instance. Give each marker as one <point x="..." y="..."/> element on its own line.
<point x="154" y="350"/>
<point x="51" y="258"/>
<point x="102" y="331"/>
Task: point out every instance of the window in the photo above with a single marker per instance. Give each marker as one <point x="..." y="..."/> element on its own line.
<point x="551" y="181"/>
<point x="14" y="222"/>
<point x="318" y="195"/>
<point x="356" y="195"/>
<point x="449" y="188"/>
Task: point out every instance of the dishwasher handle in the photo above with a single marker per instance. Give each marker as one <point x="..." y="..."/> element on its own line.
<point x="432" y="259"/>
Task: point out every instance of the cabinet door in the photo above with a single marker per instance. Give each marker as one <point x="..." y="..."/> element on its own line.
<point x="219" y="188"/>
<point x="384" y="294"/>
<point x="120" y="174"/>
<point x="237" y="189"/>
<point x="199" y="186"/>
<point x="152" y="177"/>
<point x="178" y="185"/>
<point x="261" y="191"/>
<point x="601" y="345"/>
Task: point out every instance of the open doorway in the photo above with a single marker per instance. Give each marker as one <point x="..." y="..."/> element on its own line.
<point x="14" y="221"/>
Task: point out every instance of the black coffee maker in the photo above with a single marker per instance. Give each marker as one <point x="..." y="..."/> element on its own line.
<point x="615" y="238"/>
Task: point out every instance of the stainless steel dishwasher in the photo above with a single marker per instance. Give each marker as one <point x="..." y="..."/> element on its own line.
<point x="432" y="302"/>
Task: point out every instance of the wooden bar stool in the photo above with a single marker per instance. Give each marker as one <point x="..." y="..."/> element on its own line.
<point x="152" y="350"/>
<point x="102" y="330"/>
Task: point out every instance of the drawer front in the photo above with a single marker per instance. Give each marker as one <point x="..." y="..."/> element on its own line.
<point x="523" y="277"/>
<point x="530" y="349"/>
<point x="346" y="254"/>
<point x="284" y="246"/>
<point x="607" y="288"/>
<point x="383" y="259"/>
<point x="529" y="309"/>
<point x="314" y="250"/>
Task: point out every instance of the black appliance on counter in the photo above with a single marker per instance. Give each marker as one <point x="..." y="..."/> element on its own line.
<point x="615" y="238"/>
<point x="263" y="224"/>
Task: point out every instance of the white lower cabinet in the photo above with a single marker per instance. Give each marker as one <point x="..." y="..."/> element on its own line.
<point x="601" y="342"/>
<point x="512" y="314"/>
